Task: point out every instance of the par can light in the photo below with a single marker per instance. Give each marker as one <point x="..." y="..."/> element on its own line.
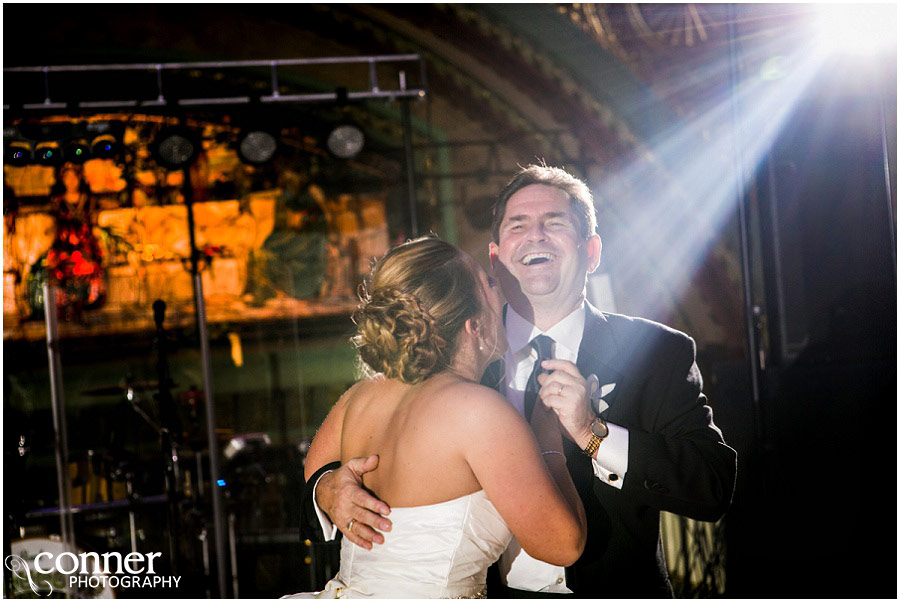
<point x="76" y="151"/>
<point x="346" y="141"/>
<point x="18" y="154"/>
<point x="257" y="147"/>
<point x="106" y="147"/>
<point x="176" y="147"/>
<point x="48" y="154"/>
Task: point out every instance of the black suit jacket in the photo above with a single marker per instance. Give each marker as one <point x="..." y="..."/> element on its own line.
<point x="677" y="458"/>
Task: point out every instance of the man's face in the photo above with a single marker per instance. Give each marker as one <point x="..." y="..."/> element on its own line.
<point x="541" y="258"/>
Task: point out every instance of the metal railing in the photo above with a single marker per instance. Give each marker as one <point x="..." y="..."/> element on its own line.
<point x="372" y="90"/>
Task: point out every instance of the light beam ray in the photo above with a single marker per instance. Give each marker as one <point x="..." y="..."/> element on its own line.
<point x="675" y="222"/>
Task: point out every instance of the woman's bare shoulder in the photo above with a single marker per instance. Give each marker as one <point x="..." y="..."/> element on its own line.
<point x="367" y="387"/>
<point x="472" y="402"/>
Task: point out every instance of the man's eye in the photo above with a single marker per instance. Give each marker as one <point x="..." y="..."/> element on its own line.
<point x="491" y="281"/>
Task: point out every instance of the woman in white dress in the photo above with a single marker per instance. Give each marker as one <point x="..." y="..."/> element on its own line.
<point x="460" y="468"/>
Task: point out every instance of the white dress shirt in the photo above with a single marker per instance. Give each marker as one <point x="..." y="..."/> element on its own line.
<point x="517" y="569"/>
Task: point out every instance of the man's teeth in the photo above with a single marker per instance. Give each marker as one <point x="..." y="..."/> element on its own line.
<point x="533" y="258"/>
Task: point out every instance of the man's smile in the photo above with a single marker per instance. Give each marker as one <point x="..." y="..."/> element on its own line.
<point x="537" y="258"/>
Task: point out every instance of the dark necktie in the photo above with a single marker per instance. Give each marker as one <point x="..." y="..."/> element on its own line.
<point x="544" y="346"/>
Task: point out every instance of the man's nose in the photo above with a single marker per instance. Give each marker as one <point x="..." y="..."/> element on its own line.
<point x="536" y="232"/>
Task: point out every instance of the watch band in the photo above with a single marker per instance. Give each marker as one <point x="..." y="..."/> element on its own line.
<point x="591" y="448"/>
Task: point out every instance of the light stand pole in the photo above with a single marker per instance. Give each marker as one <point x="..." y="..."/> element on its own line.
<point x="203" y="335"/>
<point x="61" y="442"/>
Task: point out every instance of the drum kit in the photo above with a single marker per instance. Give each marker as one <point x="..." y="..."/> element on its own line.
<point x="119" y="498"/>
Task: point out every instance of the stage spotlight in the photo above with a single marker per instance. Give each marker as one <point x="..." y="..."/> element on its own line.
<point x="856" y="29"/>
<point x="346" y="141"/>
<point x="48" y="154"/>
<point x="257" y="147"/>
<point x="77" y="151"/>
<point x="105" y="147"/>
<point x="18" y="154"/>
<point x="176" y="147"/>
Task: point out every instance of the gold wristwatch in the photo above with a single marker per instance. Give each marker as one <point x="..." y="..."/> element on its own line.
<point x="599" y="432"/>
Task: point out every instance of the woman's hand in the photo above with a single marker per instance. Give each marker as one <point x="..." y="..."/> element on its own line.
<point x="546" y="427"/>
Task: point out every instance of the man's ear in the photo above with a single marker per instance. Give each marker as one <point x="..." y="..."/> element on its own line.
<point x="593" y="247"/>
<point x="493" y="251"/>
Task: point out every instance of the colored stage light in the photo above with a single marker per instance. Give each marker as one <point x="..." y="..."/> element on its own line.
<point x="18" y="154"/>
<point x="77" y="151"/>
<point x="48" y="154"/>
<point x="106" y="147"/>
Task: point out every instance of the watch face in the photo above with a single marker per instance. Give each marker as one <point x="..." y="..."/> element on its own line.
<point x="599" y="428"/>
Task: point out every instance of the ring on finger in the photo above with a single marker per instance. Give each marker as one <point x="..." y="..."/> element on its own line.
<point x="350" y="524"/>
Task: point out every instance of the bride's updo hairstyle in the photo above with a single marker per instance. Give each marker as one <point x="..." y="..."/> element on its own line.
<point x="413" y="306"/>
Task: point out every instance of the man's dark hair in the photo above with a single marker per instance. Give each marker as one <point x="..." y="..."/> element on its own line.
<point x="580" y="198"/>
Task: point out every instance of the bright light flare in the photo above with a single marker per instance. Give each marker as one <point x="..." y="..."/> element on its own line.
<point x="856" y="29"/>
<point x="664" y="236"/>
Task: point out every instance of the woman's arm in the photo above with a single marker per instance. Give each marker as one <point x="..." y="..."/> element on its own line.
<point x="533" y="492"/>
<point x="340" y="494"/>
<point x="548" y="434"/>
<point x="326" y="445"/>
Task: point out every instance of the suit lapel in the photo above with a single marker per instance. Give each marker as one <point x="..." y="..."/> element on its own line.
<point x="597" y="356"/>
<point x="495" y="377"/>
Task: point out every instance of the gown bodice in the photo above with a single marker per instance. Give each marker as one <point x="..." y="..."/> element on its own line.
<point x="437" y="551"/>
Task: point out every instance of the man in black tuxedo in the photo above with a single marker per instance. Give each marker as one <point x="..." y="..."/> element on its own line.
<point x="627" y="392"/>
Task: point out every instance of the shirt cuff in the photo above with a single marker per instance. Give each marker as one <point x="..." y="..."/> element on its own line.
<point x="611" y="462"/>
<point x="328" y="530"/>
<point x="520" y="571"/>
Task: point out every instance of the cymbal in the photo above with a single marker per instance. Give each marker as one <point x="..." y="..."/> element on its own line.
<point x="122" y="388"/>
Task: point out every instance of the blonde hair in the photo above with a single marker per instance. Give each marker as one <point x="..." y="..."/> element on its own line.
<point x="413" y="306"/>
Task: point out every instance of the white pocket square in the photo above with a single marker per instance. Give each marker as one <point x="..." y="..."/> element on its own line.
<point x="603" y="392"/>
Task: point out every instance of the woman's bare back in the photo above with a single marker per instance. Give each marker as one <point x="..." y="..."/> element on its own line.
<point x="415" y="431"/>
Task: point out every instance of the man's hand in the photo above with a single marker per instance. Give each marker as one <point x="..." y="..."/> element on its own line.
<point x="343" y="497"/>
<point x="567" y="393"/>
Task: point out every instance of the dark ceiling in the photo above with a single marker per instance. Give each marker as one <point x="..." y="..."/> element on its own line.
<point x="587" y="86"/>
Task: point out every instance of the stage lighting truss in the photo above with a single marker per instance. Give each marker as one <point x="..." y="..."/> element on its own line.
<point x="403" y="63"/>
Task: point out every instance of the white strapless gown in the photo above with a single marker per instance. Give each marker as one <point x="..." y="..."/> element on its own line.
<point x="437" y="551"/>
